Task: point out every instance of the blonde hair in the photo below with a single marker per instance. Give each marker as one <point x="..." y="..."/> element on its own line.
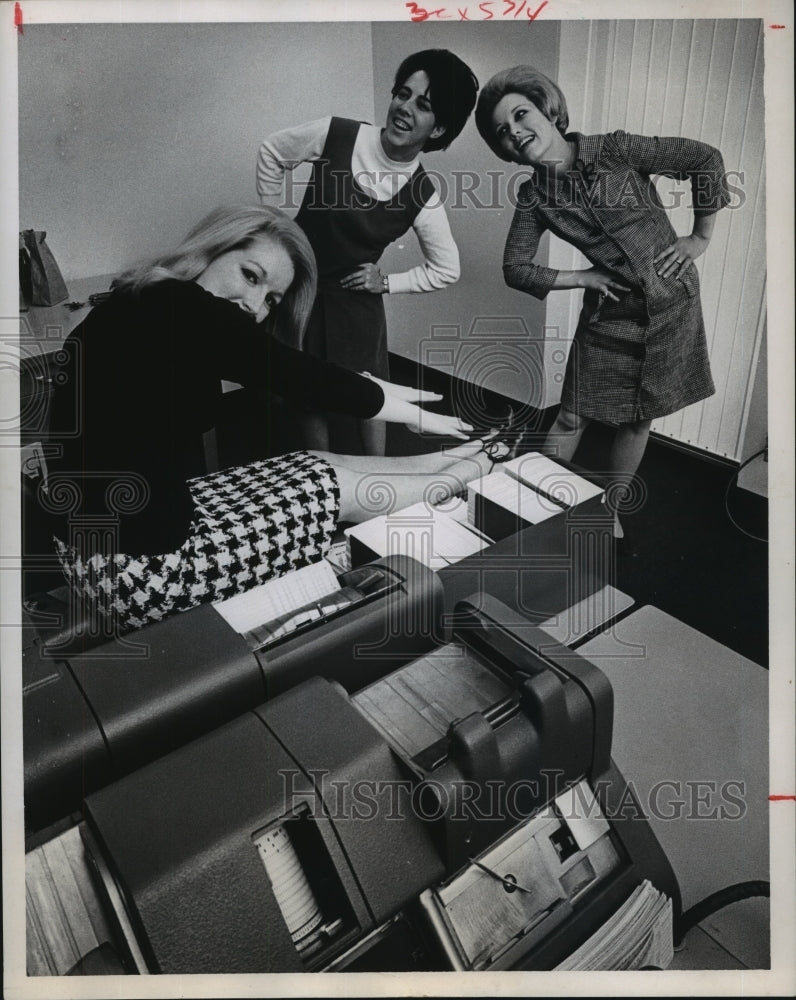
<point x="234" y="228"/>
<point x="535" y="86"/>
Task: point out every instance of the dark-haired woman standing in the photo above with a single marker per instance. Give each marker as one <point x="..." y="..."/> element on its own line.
<point x="367" y="189"/>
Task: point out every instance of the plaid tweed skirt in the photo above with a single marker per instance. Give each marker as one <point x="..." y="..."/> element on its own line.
<point x="251" y="523"/>
<point x="622" y="369"/>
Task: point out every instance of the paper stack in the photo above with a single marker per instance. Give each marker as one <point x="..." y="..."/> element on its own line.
<point x="421" y="531"/>
<point x="278" y="597"/>
<point x="500" y="505"/>
<point x="550" y="479"/>
<point x="638" y="935"/>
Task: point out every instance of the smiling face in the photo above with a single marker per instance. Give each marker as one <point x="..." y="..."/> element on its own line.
<point x="524" y="134"/>
<point x="410" y="119"/>
<point x="255" y="278"/>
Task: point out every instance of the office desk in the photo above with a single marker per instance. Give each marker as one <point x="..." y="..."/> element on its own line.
<point x="687" y="710"/>
<point x="47" y="327"/>
<point x="42" y="332"/>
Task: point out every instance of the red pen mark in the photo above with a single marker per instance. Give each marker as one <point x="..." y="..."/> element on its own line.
<point x="511" y="8"/>
<point x="421" y="14"/>
<point x="782" y="798"/>
<point x="18" y="18"/>
<point x="773" y="25"/>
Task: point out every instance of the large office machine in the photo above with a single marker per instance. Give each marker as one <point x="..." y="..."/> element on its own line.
<point x="94" y="712"/>
<point x="459" y="812"/>
<point x="404" y="773"/>
<point x="96" y="708"/>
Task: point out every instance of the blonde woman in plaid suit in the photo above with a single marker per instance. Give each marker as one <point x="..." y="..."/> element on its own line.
<point x="639" y="350"/>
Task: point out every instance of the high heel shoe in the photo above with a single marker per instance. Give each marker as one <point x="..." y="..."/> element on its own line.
<point x="503" y="443"/>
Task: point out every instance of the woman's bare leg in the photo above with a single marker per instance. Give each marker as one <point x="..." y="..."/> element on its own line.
<point x="385" y="487"/>
<point x="564" y="436"/>
<point x="428" y="462"/>
<point x="630" y="443"/>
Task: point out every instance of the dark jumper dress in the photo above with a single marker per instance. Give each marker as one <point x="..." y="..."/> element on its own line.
<point x="347" y="228"/>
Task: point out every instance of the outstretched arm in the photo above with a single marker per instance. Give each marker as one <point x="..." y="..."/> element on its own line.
<point x="400" y="406"/>
<point x="246" y="353"/>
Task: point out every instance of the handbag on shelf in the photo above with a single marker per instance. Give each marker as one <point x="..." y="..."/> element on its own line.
<point x="40" y="280"/>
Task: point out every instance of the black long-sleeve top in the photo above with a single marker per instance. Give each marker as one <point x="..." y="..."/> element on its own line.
<point x="142" y="382"/>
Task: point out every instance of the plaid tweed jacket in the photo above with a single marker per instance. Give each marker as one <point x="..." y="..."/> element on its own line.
<point x="609" y="209"/>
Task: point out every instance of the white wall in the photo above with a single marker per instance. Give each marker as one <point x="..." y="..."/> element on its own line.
<point x="478" y="329"/>
<point x="130" y="133"/>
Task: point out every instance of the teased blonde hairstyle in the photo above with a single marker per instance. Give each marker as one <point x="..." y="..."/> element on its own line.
<point x="539" y="90"/>
<point x="235" y="228"/>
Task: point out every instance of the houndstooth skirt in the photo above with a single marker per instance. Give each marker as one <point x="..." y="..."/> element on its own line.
<point x="251" y="523"/>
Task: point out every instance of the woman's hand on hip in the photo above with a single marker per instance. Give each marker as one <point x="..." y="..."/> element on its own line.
<point x="680" y="255"/>
<point x="604" y="282"/>
<point x="367" y="278"/>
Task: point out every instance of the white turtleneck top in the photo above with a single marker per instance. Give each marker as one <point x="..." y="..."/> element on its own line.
<point x="378" y="175"/>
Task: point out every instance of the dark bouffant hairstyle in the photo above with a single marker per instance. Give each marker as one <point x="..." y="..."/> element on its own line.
<point x="452" y="91"/>
<point x="539" y="89"/>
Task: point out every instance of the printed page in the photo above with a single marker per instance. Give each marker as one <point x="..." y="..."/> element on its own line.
<point x="278" y="597"/>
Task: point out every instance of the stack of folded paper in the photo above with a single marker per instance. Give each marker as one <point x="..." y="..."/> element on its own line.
<point x="437" y="536"/>
<point x="637" y="936"/>
<point x="525" y="491"/>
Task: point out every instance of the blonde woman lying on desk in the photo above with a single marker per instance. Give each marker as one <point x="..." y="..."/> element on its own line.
<point x="231" y="302"/>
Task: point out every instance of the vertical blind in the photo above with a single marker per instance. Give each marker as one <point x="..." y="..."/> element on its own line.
<point x="703" y="80"/>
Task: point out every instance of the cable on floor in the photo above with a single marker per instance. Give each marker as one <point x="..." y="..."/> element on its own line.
<point x="717" y="901"/>
<point x="733" y="481"/>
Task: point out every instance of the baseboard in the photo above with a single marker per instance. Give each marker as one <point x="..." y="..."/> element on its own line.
<point x="694" y="452"/>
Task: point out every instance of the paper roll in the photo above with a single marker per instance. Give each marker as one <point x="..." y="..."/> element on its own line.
<point x="291" y="888"/>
